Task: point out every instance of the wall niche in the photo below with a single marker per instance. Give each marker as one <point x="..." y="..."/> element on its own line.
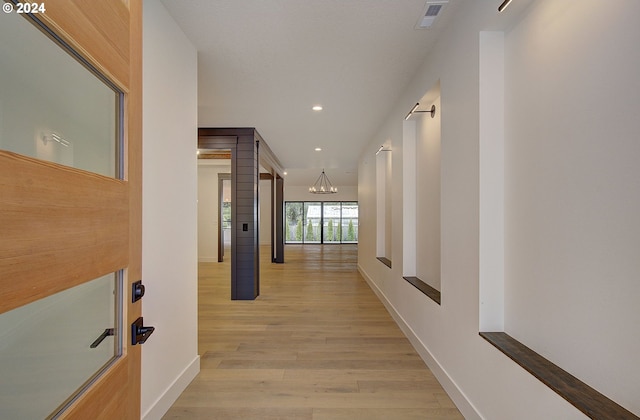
<point x="421" y="195"/>
<point x="383" y="204"/>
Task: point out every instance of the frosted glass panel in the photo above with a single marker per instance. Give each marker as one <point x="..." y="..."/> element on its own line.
<point x="51" y="106"/>
<point x="46" y="351"/>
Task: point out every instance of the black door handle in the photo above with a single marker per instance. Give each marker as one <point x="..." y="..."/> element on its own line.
<point x="137" y="291"/>
<point x="139" y="333"/>
<point x="105" y="334"/>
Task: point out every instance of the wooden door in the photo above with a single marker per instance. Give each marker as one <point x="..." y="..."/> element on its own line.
<point x="60" y="227"/>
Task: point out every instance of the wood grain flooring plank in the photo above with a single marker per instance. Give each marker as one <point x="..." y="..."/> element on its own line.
<point x="322" y="364"/>
<point x="389" y="386"/>
<point x="216" y="413"/>
<point x="225" y="375"/>
<point x="386" y="414"/>
<point x="357" y="375"/>
<point x="276" y="386"/>
<point x="374" y="354"/>
<point x="266" y="354"/>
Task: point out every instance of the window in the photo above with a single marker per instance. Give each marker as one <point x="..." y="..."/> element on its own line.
<point x="349" y="222"/>
<point x="294" y="222"/>
<point x="331" y="227"/>
<point x="226" y="215"/>
<point x="313" y="221"/>
<point x="318" y="222"/>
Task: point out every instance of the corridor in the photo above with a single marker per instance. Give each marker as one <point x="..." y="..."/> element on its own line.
<point x="316" y="344"/>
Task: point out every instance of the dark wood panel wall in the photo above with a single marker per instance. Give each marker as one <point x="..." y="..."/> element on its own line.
<point x="248" y="152"/>
<point x="245" y="243"/>
<point x="279" y="216"/>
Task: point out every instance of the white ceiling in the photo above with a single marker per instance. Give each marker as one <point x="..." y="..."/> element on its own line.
<point x="265" y="63"/>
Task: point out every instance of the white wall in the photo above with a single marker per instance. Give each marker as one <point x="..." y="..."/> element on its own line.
<point x="570" y="213"/>
<point x="169" y="239"/>
<point x="572" y="190"/>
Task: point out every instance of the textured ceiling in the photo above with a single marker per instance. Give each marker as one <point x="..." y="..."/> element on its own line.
<point x="265" y="63"/>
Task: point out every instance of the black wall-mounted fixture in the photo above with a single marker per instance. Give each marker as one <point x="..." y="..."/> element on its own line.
<point x="414" y="110"/>
<point x="382" y="149"/>
<point x="504" y="5"/>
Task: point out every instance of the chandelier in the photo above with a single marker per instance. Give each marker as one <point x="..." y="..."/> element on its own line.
<point x="323" y="185"/>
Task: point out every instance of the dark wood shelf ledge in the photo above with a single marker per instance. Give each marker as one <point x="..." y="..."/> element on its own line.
<point x="385" y="261"/>
<point x="432" y="292"/>
<point x="580" y="395"/>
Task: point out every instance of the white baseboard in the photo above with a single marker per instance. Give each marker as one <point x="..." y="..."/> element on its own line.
<point x="166" y="400"/>
<point x="455" y="393"/>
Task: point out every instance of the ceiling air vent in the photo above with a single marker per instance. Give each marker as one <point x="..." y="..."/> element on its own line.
<point x="431" y="11"/>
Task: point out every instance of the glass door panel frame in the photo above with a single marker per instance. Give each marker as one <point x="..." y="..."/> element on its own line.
<point x="319" y="227"/>
<point x="48" y="133"/>
<point x="331" y="225"/>
<point x="346" y="231"/>
<point x="312" y="233"/>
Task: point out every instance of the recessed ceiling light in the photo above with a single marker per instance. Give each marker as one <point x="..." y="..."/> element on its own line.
<point x="285" y="172"/>
<point x="317" y="149"/>
<point x="317" y="108"/>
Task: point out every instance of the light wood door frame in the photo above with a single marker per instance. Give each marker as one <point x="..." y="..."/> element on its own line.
<point x="39" y="260"/>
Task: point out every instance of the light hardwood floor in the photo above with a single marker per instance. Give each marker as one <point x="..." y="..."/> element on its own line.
<point x="317" y="344"/>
